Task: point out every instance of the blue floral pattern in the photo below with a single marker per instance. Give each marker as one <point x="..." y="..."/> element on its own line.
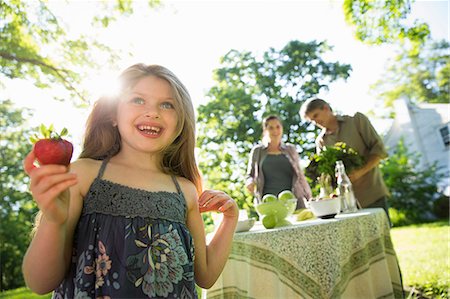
<point x="163" y="260"/>
<point x="121" y="252"/>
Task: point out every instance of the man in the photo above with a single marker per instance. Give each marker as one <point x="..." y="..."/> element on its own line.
<point x="358" y="133"/>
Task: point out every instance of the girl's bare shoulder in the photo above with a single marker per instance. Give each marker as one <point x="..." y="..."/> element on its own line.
<point x="86" y="165"/>
<point x="189" y="191"/>
<point x="86" y="170"/>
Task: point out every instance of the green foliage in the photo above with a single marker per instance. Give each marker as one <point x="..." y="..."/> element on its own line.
<point x="398" y="218"/>
<point x="17" y="206"/>
<point x="422" y="76"/>
<point x="247" y="89"/>
<point x="22" y="293"/>
<point x="421" y="72"/>
<point x="384" y="21"/>
<point x="37" y="46"/>
<point x="48" y="133"/>
<point x="413" y="191"/>
<point x="110" y="11"/>
<point x="441" y="207"/>
<point x="325" y="162"/>
<point x="422" y="251"/>
<point x="29" y="28"/>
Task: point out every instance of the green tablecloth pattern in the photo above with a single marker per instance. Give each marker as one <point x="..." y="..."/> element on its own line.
<point x="315" y="259"/>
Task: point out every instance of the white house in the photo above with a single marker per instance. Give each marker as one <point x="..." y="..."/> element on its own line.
<point x="425" y="130"/>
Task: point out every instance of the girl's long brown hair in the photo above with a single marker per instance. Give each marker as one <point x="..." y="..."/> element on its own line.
<point x="102" y="139"/>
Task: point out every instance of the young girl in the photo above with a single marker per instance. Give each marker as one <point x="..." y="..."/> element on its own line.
<point x="125" y="221"/>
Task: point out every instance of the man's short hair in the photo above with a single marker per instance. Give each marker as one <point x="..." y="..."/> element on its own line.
<point x="312" y="104"/>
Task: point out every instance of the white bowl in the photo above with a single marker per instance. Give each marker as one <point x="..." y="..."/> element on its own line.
<point x="325" y="208"/>
<point x="245" y="225"/>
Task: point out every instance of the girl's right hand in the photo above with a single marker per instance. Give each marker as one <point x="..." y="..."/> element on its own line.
<point x="49" y="185"/>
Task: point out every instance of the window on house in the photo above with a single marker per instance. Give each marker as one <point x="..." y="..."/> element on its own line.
<point x="445" y="134"/>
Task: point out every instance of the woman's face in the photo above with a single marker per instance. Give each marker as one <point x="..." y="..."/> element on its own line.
<point x="274" y="130"/>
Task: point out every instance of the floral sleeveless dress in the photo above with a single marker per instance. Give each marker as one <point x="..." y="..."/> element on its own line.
<point x="130" y="243"/>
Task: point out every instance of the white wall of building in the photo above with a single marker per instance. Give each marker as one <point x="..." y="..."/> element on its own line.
<point x="419" y="125"/>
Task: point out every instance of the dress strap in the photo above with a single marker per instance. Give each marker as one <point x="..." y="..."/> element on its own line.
<point x="174" y="179"/>
<point x="102" y="167"/>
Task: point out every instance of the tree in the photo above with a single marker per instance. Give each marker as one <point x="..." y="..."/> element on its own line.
<point x="422" y="76"/>
<point x="384" y="21"/>
<point x="36" y="46"/>
<point x="249" y="88"/>
<point x="16" y="207"/>
<point x="421" y="71"/>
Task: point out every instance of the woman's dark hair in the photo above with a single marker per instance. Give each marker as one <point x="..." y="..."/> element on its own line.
<point x="268" y="118"/>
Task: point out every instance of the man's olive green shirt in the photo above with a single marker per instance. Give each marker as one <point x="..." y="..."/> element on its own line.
<point x="358" y="133"/>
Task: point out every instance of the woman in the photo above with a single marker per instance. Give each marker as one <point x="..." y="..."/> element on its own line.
<point x="274" y="166"/>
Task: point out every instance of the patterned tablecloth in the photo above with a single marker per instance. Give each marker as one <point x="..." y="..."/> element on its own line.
<point x="350" y="256"/>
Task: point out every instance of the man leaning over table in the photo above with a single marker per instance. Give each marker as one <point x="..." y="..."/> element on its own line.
<point x="358" y="133"/>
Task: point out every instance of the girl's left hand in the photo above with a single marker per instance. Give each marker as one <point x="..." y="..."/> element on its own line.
<point x="213" y="200"/>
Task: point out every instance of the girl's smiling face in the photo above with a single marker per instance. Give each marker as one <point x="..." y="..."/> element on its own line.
<point x="146" y="115"/>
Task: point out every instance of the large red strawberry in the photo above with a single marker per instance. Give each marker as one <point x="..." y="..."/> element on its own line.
<point x="52" y="148"/>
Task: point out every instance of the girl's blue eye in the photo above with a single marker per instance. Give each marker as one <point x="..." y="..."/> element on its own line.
<point x="139" y="101"/>
<point x="167" y="105"/>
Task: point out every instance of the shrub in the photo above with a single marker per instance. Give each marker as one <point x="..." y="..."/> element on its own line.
<point x="413" y="191"/>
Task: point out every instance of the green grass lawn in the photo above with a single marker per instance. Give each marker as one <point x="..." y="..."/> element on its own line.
<point x="424" y="255"/>
<point x="22" y="293"/>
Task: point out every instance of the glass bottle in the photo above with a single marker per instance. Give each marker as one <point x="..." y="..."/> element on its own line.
<point x="344" y="189"/>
